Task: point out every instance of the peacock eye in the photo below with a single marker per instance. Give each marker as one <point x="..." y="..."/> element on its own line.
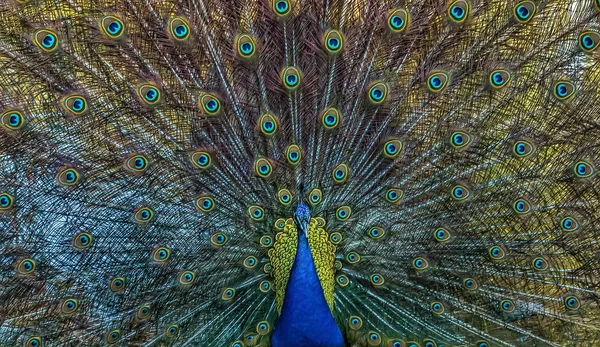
<point x="284" y="196"/>
<point x="112" y="26"/>
<point x="113" y="336"/>
<point x="187" y="277"/>
<point x="34" y="341"/>
<point x="523" y="148"/>
<point x="398" y="20"/>
<point x="507" y="305"/>
<point x="497" y="252"/>
<point x="355" y="322"/>
<point x="46" y="39"/>
<point x="266" y="241"/>
<point x="420" y="263"/>
<point x="353" y="257"/>
<point x="136" y="164"/>
<point x="584" y="169"/>
<point x="569" y="224"/>
<point x="376" y="233"/>
<point x="342" y="280"/>
<point x="340" y="173"/>
<point x="172" y="331"/>
<point x="11" y="120"/>
<point x="539" y="264"/>
<point x="430" y="343"/>
<point x="268" y="123"/>
<point x="482" y="344"/>
<point x="460" y="140"/>
<point x="499" y="78"/>
<point x="522" y="206"/>
<point x="437" y="307"/>
<point x="378" y="92"/>
<point x="228" y="294"/>
<point x="82" y="241"/>
<point x="74" y="104"/>
<point x="143" y="312"/>
<point x="291" y="77"/>
<point x="69" y="306"/>
<point x="377" y="280"/>
<point x="315" y="196"/>
<point x="589" y="40"/>
<point x="200" y="159"/>
<point x="250" y="262"/>
<point x="343" y="213"/>
<point x="117" y="285"/>
<point x="245" y="46"/>
<point x="209" y="104"/>
<point x="218" y="239"/>
<point x="392" y="148"/>
<point x="572" y="302"/>
<point x="282" y="7"/>
<point x="335" y="238"/>
<point x="458" y="11"/>
<point x="564" y="90"/>
<point x="148" y="93"/>
<point x="263" y="328"/>
<point x="179" y="28"/>
<point x="330" y="118"/>
<point x="264" y="286"/>
<point x="263" y="167"/>
<point x="524" y="11"/>
<point x="161" y="254"/>
<point x="25" y="266"/>
<point x="143" y="215"/>
<point x="204" y="203"/>
<point x="441" y="234"/>
<point x="460" y="192"/>
<point x="333" y="40"/>
<point x="6" y="201"/>
<point x="437" y="81"/>
<point x="470" y="284"/>
<point x="257" y="213"/>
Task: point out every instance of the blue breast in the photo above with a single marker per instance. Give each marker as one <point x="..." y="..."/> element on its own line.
<point x="305" y="319"/>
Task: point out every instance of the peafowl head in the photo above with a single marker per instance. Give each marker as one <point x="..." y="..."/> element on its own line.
<point x="302" y="217"/>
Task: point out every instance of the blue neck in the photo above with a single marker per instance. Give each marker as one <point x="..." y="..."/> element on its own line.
<point x="305" y="319"/>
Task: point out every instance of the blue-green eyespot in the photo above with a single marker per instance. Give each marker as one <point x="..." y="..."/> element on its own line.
<point x="333" y="41"/>
<point x="148" y="93"/>
<point x="524" y="11"/>
<point x="438" y="81"/>
<point x="245" y="46"/>
<point x="331" y="118"/>
<point x="563" y="90"/>
<point x="201" y="159"/>
<point x="293" y="154"/>
<point x="11" y="119"/>
<point x="112" y="26"/>
<point x="209" y="104"/>
<point x="46" y="39"/>
<point x="263" y="167"/>
<point x="458" y="11"/>
<point x="499" y="78"/>
<point x="74" y="104"/>
<point x="268" y="123"/>
<point x="179" y="28"/>
<point x="378" y="92"/>
<point x="398" y="20"/>
<point x="282" y="8"/>
<point x="291" y="78"/>
<point x="589" y="40"/>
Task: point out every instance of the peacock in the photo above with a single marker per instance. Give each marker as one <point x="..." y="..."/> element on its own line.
<point x="299" y="173"/>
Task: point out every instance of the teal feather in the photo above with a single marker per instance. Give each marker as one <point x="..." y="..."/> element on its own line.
<point x="164" y="164"/>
